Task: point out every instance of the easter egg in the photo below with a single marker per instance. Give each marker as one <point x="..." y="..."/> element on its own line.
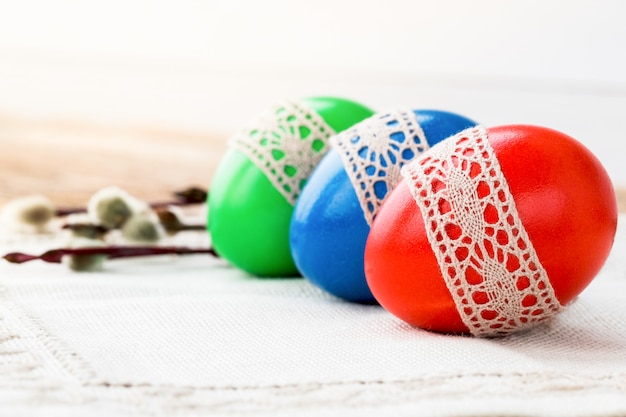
<point x="332" y="217"/>
<point x="260" y="177"/>
<point x="492" y="231"/>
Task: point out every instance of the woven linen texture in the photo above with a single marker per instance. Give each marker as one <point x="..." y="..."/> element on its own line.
<point x="190" y="336"/>
<point x="373" y="152"/>
<point x="286" y="143"/>
<point x="485" y="255"/>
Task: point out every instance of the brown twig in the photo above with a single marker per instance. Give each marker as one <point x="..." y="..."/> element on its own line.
<point x="110" y="252"/>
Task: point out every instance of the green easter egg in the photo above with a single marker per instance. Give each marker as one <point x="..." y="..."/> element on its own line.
<point x="259" y="178"/>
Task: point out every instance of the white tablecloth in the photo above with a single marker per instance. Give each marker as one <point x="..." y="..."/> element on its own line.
<point x="193" y="336"/>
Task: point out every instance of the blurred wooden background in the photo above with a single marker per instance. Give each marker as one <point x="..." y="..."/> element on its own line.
<point x="78" y="80"/>
<point x="68" y="162"/>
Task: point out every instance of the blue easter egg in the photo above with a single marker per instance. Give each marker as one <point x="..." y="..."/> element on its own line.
<point x="332" y="216"/>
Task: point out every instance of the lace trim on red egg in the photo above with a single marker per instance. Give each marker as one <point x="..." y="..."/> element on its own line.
<point x="373" y="152"/>
<point x="485" y="255"/>
<point x="286" y="143"/>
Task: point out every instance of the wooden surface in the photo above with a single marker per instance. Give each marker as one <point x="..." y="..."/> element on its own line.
<point x="68" y="162"/>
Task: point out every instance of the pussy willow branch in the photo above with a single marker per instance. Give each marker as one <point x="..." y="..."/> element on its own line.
<point x="189" y="196"/>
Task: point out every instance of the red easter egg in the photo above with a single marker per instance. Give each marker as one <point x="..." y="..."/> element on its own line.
<point x="492" y="231"/>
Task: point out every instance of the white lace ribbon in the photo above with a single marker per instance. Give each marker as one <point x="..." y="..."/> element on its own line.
<point x="484" y="253"/>
<point x="373" y="152"/>
<point x="286" y="143"/>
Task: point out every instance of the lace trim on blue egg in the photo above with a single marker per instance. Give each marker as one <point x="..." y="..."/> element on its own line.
<point x="374" y="151"/>
<point x="286" y="143"/>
